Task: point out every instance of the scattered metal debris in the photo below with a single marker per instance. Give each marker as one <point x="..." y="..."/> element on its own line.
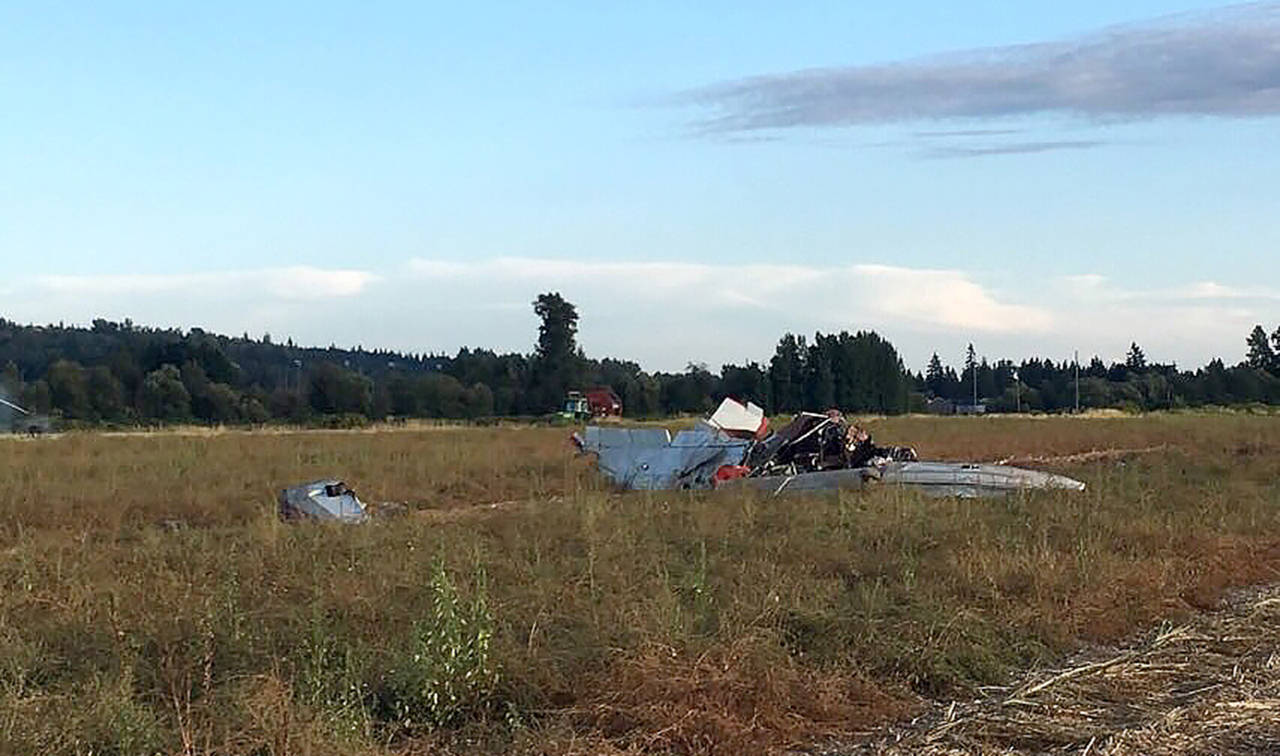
<point x="387" y="509"/>
<point x="329" y="500"/>
<point x="814" y="452"/>
<point x="173" y="525"/>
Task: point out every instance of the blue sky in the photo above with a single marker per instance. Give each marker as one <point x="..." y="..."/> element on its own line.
<point x="698" y="178"/>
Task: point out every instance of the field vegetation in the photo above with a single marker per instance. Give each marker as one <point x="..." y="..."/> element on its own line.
<point x="151" y="602"/>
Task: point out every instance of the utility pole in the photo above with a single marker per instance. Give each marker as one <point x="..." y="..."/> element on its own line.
<point x="970" y="363"/>
<point x="1077" y="361"/>
<point x="1017" y="389"/>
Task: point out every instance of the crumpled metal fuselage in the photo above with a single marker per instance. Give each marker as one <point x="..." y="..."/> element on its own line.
<point x="652" y="459"/>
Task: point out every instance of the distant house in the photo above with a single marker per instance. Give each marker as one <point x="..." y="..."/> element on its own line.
<point x="936" y="405"/>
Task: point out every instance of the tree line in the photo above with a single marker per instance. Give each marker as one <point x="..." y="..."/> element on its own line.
<point x="121" y="373"/>
<point x="1135" y="384"/>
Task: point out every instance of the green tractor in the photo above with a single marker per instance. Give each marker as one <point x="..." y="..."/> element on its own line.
<point x="576" y="407"/>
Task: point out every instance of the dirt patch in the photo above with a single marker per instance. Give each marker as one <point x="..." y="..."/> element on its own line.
<point x="1093" y="455"/>
<point x="1210" y="685"/>
<point x="463" y="512"/>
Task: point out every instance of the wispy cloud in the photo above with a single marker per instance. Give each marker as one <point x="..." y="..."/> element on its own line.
<point x="1221" y="63"/>
<point x="1015" y="148"/>
<point x="1100" y="288"/>
<point x="950" y="133"/>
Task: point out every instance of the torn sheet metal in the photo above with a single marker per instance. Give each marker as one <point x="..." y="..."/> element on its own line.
<point x="329" y="500"/>
<point x="821" y="441"/>
<point x="739" y="420"/>
<point x="650" y="459"/>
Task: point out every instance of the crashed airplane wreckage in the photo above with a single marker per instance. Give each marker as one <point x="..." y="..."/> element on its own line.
<point x="734" y="448"/>
<point x="324" y="500"/>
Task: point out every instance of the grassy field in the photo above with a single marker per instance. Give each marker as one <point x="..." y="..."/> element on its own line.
<point x="150" y="602"/>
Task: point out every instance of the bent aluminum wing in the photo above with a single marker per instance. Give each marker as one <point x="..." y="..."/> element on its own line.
<point x="931" y="478"/>
<point x="972" y="480"/>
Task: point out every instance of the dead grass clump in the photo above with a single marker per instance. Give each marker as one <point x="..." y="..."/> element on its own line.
<point x="1208" y="686"/>
<point x="745" y="699"/>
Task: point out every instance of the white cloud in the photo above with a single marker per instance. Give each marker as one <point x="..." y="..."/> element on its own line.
<point x="667" y="314"/>
<point x="301" y="282"/>
<point x="1212" y="290"/>
<point x="947" y="298"/>
<point x="926" y="298"/>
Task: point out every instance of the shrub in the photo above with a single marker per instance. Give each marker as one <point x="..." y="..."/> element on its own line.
<point x="446" y="673"/>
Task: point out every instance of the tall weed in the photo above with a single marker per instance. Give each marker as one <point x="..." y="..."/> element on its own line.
<point x="446" y="673"/>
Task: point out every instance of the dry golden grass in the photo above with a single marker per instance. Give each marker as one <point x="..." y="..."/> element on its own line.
<point x="1209" y="686"/>
<point x="151" y="602"/>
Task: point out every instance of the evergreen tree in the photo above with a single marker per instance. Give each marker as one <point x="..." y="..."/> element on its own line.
<point x="820" y="380"/>
<point x="1135" y="361"/>
<point x="935" y="376"/>
<point x="557" y="361"/>
<point x="787" y="374"/>
<point x="749" y="383"/>
<point x="1261" y="356"/>
<point x="986" y="379"/>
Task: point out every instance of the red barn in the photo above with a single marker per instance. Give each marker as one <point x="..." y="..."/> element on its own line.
<point x="603" y="402"/>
